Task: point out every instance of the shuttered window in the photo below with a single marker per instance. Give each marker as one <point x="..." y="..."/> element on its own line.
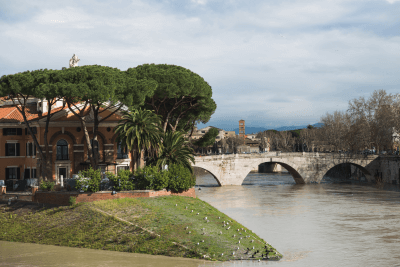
<point x="12" y="149"/>
<point x="12" y="131"/>
<point x="12" y="173"/>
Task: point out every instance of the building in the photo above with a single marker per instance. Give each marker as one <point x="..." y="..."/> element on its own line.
<point x="68" y="149"/>
<point x="242" y="131"/>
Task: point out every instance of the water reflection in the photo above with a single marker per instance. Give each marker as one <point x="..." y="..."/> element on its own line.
<point x="315" y="225"/>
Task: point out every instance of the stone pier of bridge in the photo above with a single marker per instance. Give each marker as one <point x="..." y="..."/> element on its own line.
<point x="304" y="167"/>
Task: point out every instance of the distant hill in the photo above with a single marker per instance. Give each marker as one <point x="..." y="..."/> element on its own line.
<point x="251" y="130"/>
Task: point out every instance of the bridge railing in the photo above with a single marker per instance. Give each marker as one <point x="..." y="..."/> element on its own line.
<point x="283" y="154"/>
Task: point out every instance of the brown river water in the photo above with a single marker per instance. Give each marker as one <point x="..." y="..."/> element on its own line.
<point x="328" y="224"/>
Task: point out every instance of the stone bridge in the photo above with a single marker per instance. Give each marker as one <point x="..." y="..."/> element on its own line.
<point x="304" y="167"/>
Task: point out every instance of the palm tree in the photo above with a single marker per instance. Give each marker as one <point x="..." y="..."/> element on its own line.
<point x="140" y="130"/>
<point x="175" y="150"/>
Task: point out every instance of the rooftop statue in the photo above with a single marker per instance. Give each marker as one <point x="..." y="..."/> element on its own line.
<point x="73" y="62"/>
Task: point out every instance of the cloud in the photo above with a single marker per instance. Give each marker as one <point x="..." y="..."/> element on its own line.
<point x="287" y="61"/>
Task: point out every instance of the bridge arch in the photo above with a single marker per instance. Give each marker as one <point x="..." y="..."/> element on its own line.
<point x="361" y="165"/>
<point x="215" y="177"/>
<point x="291" y="167"/>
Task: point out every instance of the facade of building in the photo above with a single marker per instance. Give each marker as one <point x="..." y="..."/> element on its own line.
<point x="19" y="157"/>
<point x="242" y="131"/>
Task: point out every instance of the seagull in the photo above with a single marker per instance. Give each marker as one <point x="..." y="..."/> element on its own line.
<point x="192" y="210"/>
<point x="233" y="253"/>
<point x="253" y="247"/>
<point x="205" y="218"/>
<point x="186" y="227"/>
<point x="176" y="204"/>
<point x="222" y="254"/>
<point x="219" y="217"/>
<point x="239" y="242"/>
<point x="220" y="233"/>
<point x="189" y="232"/>
<point x="234" y="235"/>
<point x="198" y="213"/>
<point x="198" y="243"/>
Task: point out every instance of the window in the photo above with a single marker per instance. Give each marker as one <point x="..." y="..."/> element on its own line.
<point x="62" y="150"/>
<point x="30" y="149"/>
<point x="12" y="173"/>
<point x="33" y="173"/>
<point x="12" y="149"/>
<point x="122" y="168"/>
<point x="12" y="131"/>
<point x="34" y="130"/>
<point x="27" y="173"/>
<point x="122" y="152"/>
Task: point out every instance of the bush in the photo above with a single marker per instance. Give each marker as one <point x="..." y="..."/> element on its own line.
<point x="47" y="186"/>
<point x="180" y="178"/>
<point x="72" y="201"/>
<point x="89" y="180"/>
<point x="122" y="181"/>
<point x="150" y="177"/>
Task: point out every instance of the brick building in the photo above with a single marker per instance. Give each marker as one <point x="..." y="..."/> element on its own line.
<point x="242" y="131"/>
<point x="68" y="150"/>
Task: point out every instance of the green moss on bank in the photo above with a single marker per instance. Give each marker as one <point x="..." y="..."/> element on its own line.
<point x="158" y="226"/>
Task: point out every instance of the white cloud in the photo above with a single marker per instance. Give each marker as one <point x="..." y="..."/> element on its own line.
<point x="330" y="53"/>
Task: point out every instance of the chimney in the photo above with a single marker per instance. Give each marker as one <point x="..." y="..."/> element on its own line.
<point x="42" y="106"/>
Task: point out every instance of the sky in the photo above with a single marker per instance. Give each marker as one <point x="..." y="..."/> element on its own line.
<point x="271" y="63"/>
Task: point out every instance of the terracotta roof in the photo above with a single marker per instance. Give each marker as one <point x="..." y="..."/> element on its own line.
<point x="11" y="113"/>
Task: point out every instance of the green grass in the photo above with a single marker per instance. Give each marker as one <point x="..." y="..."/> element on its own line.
<point x="154" y="226"/>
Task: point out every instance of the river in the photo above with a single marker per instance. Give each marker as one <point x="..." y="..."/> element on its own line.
<point x="328" y="224"/>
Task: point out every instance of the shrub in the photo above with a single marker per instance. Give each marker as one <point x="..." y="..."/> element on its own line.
<point x="72" y="201"/>
<point x="89" y="180"/>
<point x="180" y="178"/>
<point x="47" y="186"/>
<point x="122" y="181"/>
<point x="150" y="177"/>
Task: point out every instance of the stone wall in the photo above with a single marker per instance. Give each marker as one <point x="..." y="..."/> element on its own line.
<point x="62" y="198"/>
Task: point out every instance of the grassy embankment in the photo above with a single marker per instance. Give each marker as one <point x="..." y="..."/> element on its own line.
<point x="158" y="226"/>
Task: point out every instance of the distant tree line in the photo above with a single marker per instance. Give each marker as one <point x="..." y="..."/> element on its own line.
<point x="368" y="124"/>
